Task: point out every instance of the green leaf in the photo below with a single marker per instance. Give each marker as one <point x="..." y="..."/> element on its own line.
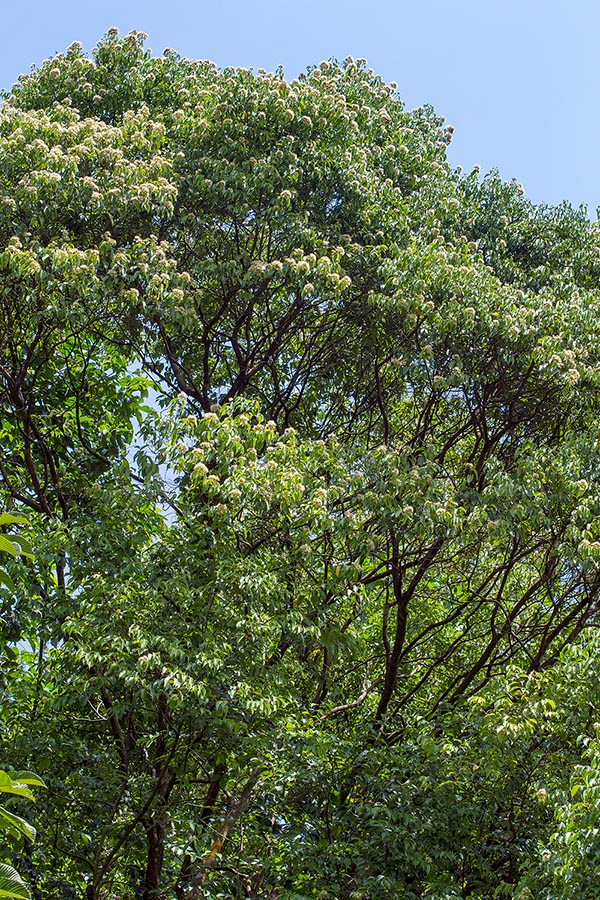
<point x="7" y="581"/>
<point x="23" y="546"/>
<point x="11" y="884"/>
<point x="10" y="519"/>
<point x="15" y="826"/>
<point x="8" y="546"/>
<point x="28" y="778"/>
<point x="10" y="786"/>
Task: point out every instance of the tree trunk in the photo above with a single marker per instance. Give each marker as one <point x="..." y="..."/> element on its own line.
<point x="156" y="853"/>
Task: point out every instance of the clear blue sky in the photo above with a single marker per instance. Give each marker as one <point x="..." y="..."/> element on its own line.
<point x="518" y="80"/>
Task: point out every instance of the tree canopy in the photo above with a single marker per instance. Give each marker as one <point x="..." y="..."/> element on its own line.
<point x="305" y="427"/>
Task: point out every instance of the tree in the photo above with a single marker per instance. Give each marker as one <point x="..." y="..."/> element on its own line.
<point x="305" y="423"/>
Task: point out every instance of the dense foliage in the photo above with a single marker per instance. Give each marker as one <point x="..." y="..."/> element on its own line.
<point x="305" y="426"/>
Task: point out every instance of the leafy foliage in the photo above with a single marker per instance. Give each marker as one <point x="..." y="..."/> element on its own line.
<point x="19" y="784"/>
<point x="305" y="425"/>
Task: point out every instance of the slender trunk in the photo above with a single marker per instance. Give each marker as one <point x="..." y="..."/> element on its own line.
<point x="186" y="874"/>
<point x="236" y="808"/>
<point x="195" y="877"/>
<point x="155" y="859"/>
<point x="155" y="822"/>
<point x="393" y="651"/>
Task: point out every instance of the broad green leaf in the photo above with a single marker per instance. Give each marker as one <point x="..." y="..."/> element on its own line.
<point x="11" y="884"/>
<point x="10" y="519"/>
<point x="23" y="545"/>
<point x="29" y="778"/>
<point x="9" y="785"/>
<point x="7" y="546"/>
<point x="15" y="825"/>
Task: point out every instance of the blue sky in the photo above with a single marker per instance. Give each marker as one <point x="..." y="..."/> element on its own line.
<point x="518" y="80"/>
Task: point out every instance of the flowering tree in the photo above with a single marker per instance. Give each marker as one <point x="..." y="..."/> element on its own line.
<point x="280" y="604"/>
